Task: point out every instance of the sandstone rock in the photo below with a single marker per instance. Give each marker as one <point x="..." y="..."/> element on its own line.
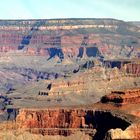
<point x="50" y="118"/>
<point x="133" y="68"/>
<point x="130" y="96"/>
<point x="132" y="132"/>
<point x="63" y="86"/>
<point x="38" y="41"/>
<point x="114" y="134"/>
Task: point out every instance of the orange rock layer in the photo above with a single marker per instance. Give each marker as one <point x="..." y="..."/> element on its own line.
<point x="53" y="118"/>
<point x="67" y="86"/>
<point x="131" y="96"/>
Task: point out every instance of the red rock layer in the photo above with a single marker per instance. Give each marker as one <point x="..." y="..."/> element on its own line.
<point x="67" y="86"/>
<point x="133" y="68"/>
<point x="51" y="119"/>
<point x="131" y="96"/>
<point x="11" y="39"/>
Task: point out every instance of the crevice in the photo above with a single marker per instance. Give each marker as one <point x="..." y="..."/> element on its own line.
<point x="26" y="39"/>
<point x="104" y="121"/>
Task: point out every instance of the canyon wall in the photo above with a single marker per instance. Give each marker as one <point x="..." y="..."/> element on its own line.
<point x="59" y="118"/>
<point x="133" y="68"/>
<point x="131" y="96"/>
<point x="103" y="36"/>
<point x="67" y="121"/>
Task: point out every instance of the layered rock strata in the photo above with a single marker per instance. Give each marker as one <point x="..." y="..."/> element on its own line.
<point x="67" y="121"/>
<point x="130" y="96"/>
<point x="70" y="37"/>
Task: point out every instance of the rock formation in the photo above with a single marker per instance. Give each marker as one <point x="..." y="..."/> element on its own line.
<point x="54" y="72"/>
<point x="67" y="86"/>
<point x="37" y="37"/>
<point x="129" y="96"/>
<point x="133" y="68"/>
<point x="67" y="121"/>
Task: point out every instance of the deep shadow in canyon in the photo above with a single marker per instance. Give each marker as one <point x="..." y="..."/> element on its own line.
<point x="104" y="121"/>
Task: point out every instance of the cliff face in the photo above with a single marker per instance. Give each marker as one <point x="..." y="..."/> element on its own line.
<point x="125" y="101"/>
<point x="63" y="122"/>
<point x="131" y="96"/>
<point x="133" y="68"/>
<point x="67" y="121"/>
<point x="108" y="37"/>
<point x="62" y="86"/>
<point x="59" y="118"/>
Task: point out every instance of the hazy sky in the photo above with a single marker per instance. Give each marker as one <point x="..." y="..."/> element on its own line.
<point x="38" y="9"/>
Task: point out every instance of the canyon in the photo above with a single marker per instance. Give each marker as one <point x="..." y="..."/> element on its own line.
<point x="69" y="79"/>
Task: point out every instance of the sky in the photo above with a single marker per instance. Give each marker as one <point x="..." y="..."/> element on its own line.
<point x="128" y="10"/>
